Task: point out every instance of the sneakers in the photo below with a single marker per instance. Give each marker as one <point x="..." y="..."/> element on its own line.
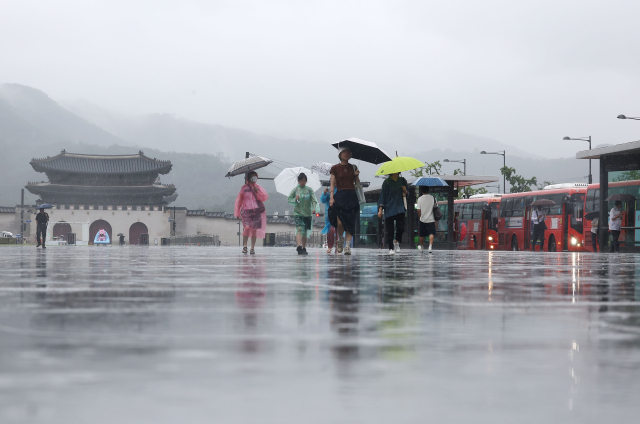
<point x="396" y="246"/>
<point x="420" y="248"/>
<point x="347" y="250"/>
<point x="339" y="248"/>
<point x="304" y="251"/>
<point x="392" y="252"/>
<point x="430" y="249"/>
<point x="38" y="245"/>
<point x="299" y="250"/>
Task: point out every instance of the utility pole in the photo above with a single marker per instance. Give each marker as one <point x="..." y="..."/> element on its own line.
<point x="22" y="214"/>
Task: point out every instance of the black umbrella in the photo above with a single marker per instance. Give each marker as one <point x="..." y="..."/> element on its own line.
<point x="364" y="150"/>
<point x="621" y="197"/>
<point x="120" y="235"/>
<point x="591" y="215"/>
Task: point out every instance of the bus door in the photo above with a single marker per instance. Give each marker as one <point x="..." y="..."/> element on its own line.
<point x="484" y="219"/>
<point x="526" y="228"/>
<point x="566" y="212"/>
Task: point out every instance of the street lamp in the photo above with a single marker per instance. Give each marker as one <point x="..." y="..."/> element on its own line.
<point x="628" y="117"/>
<point x="494" y="186"/>
<point x="463" y="161"/>
<point x="504" y="165"/>
<point x="589" y="140"/>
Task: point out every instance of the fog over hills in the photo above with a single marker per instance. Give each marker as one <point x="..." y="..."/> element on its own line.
<point x="34" y="125"/>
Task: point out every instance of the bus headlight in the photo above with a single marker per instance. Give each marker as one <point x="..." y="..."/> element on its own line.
<point x="490" y="238"/>
<point x="574" y="241"/>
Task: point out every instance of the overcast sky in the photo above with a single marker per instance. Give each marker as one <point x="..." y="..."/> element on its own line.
<point x="524" y="73"/>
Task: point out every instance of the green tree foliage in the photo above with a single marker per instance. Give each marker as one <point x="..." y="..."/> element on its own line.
<point x="627" y="176"/>
<point x="428" y="169"/>
<point x="518" y="183"/>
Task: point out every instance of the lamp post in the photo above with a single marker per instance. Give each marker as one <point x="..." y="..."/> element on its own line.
<point x="494" y="186"/>
<point x="628" y="117"/>
<point x="504" y="165"/>
<point x="463" y="161"/>
<point x="589" y="140"/>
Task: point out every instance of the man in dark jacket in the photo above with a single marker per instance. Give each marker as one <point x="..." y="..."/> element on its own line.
<point x="42" y="218"/>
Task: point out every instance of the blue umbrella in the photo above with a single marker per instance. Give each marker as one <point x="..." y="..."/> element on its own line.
<point x="430" y="182"/>
<point x="44" y="206"/>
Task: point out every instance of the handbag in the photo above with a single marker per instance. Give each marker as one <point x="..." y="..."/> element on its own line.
<point x="542" y="226"/>
<point x="437" y="213"/>
<point x="359" y="189"/>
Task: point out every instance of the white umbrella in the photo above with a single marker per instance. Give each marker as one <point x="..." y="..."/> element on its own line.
<point x="287" y="180"/>
<point x="323" y="168"/>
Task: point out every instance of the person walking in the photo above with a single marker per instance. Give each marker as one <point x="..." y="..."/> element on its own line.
<point x="306" y="204"/>
<point x="42" y="219"/>
<point x="594" y="234"/>
<point x="328" y="229"/>
<point x="615" y="226"/>
<point x="344" y="205"/>
<point x="538" y="217"/>
<point x="391" y="200"/>
<point x="250" y="208"/>
<point x="426" y="202"/>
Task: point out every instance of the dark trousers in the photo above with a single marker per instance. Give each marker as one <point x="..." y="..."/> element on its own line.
<point x="615" y="244"/>
<point x="388" y="225"/>
<point x="41" y="234"/>
<point x="538" y="233"/>
<point x="594" y="242"/>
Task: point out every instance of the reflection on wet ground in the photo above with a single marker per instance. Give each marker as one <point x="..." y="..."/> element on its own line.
<point x="205" y="334"/>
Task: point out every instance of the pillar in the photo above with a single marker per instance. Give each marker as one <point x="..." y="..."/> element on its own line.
<point x="450" y="214"/>
<point x="603" y="233"/>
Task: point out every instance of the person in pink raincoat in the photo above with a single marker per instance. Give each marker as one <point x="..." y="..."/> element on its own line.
<point x="250" y="207"/>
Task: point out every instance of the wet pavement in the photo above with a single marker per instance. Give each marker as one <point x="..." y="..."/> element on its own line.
<point x="205" y="334"/>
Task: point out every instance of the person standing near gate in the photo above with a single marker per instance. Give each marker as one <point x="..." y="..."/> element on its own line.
<point x="538" y="217"/>
<point x="394" y="190"/>
<point x="615" y="226"/>
<point x="42" y="218"/>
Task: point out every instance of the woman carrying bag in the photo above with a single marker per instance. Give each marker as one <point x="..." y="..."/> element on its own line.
<point x="250" y="207"/>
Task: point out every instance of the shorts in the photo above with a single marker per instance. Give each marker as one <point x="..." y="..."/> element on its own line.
<point x="427" y="229"/>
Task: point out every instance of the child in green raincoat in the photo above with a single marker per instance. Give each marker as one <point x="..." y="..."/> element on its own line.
<point x="306" y="205"/>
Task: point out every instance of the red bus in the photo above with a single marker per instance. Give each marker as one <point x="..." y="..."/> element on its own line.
<point x="631" y="218"/>
<point x="476" y="222"/>
<point x="564" y="219"/>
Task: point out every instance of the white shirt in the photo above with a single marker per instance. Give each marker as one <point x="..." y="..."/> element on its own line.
<point x="594" y="225"/>
<point x="537" y="217"/>
<point x="425" y="205"/>
<point x="614" y="224"/>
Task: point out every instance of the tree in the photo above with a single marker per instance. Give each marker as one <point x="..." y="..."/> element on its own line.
<point x="518" y="183"/>
<point x="427" y="169"/>
<point x="627" y="176"/>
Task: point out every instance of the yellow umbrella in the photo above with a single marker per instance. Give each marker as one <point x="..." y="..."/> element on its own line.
<point x="399" y="164"/>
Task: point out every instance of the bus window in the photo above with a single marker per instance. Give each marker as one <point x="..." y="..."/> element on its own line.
<point x="505" y="207"/>
<point x="577" y="213"/>
<point x="478" y="208"/>
<point x="518" y="207"/>
<point x="466" y="210"/>
<point x="557" y="208"/>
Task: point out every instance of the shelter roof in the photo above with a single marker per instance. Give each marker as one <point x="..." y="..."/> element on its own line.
<point x="632" y="147"/>
<point x="7" y="209"/>
<point x="100" y="164"/>
<point x="464" y="180"/>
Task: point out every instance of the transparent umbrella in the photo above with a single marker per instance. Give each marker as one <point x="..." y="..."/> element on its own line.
<point x="287" y="180"/>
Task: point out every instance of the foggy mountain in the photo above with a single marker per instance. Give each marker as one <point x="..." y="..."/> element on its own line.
<point x="34" y="125"/>
<point x="29" y="115"/>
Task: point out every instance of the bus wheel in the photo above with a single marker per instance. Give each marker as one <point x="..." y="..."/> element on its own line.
<point x="514" y="244"/>
<point x="552" y="244"/>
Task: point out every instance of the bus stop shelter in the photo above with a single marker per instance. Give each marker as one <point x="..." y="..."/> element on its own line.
<point x="617" y="162"/>
<point x="455" y="184"/>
